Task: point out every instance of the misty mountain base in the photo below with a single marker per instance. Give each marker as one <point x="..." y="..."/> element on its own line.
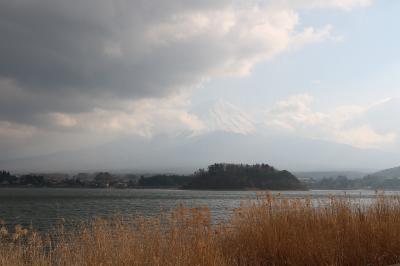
<point x="269" y="231"/>
<point x="388" y="179"/>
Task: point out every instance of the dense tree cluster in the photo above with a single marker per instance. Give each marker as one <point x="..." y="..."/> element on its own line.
<point x="217" y="176"/>
<point x="243" y="176"/>
<point x="7" y="178"/>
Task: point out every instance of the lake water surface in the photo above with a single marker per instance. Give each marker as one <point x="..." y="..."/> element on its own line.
<point x="45" y="207"/>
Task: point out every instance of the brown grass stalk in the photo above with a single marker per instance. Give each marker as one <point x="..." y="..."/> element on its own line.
<point x="268" y="231"/>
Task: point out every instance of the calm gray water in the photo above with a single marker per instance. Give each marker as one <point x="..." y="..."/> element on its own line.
<point x="45" y="207"/>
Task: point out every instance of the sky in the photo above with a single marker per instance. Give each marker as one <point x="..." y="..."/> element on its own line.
<point x="76" y="75"/>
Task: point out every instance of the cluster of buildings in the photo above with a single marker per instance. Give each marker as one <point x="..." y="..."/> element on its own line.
<point x="96" y="180"/>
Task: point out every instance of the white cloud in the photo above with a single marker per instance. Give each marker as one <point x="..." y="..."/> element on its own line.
<point x="145" y="117"/>
<point x="340" y="4"/>
<point x="240" y="37"/>
<point x="364" y="137"/>
<point x="311" y="35"/>
<point x="62" y="120"/>
<point x="149" y="117"/>
<point x="296" y="115"/>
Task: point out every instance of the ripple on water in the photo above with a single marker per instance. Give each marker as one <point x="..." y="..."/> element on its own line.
<point x="45" y="207"/>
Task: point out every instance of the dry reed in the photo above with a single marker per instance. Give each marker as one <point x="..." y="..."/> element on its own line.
<point x="268" y="231"/>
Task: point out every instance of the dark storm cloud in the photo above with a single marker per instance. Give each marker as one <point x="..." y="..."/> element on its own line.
<point x="23" y="105"/>
<point x="79" y="56"/>
<point x="60" y="55"/>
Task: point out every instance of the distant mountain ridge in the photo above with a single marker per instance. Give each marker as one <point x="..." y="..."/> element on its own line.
<point x="388" y="173"/>
<point x="317" y="175"/>
<point x="184" y="154"/>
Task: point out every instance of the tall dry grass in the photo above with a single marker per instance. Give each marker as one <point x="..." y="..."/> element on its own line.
<point x="268" y="231"/>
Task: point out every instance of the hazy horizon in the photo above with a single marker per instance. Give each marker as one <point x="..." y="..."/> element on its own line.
<point x="176" y="85"/>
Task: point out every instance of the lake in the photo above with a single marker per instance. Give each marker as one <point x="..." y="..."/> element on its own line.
<point x="45" y="207"/>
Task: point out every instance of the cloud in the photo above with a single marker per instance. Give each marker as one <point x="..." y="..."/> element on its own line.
<point x="365" y="137"/>
<point x="294" y="113"/>
<point x="62" y="120"/>
<point x="15" y="131"/>
<point x="145" y="117"/>
<point x="311" y="35"/>
<point x="75" y="56"/>
<point x="13" y="136"/>
<point x="149" y="117"/>
<point x="121" y="67"/>
<point x="339" y="4"/>
<point x="353" y="125"/>
<point x="56" y="131"/>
